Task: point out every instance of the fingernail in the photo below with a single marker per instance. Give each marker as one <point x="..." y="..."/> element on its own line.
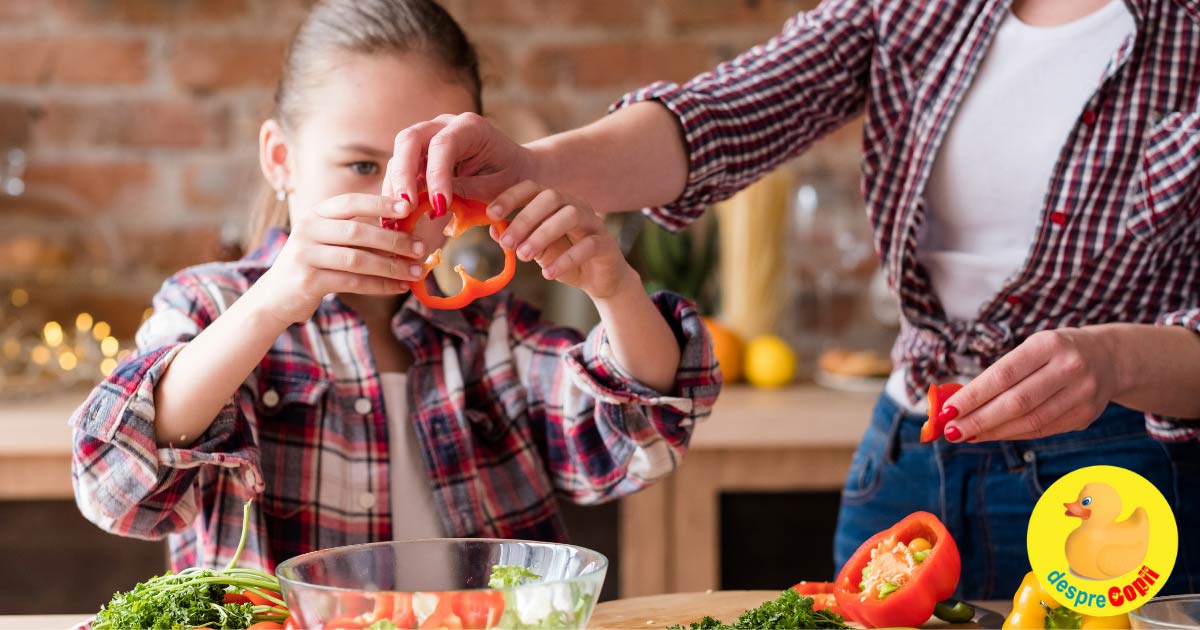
<point x="506" y="241"/>
<point x="418" y="248"/>
<point x="405" y="197"/>
<point x="415" y="270"/>
<point x="953" y="434"/>
<point x="948" y="413"/>
<point x="524" y="252"/>
<point x="493" y="211"/>
<point x="439" y="205"/>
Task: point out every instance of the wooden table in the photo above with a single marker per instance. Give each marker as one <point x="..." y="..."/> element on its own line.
<point x="660" y="611"/>
<point x="41" y="622"/>
<point x="799" y="438"/>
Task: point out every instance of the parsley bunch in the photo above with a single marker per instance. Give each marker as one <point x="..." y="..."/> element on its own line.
<point x="789" y="611"/>
<point x="195" y="598"/>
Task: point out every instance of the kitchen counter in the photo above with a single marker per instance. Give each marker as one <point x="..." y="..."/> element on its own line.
<point x="796" y="438"/>
<point x="36" y="450"/>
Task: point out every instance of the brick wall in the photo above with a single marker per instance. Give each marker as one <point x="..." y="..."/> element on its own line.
<point x="148" y="109"/>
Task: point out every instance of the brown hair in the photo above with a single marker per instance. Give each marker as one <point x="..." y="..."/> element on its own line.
<point x="362" y="27"/>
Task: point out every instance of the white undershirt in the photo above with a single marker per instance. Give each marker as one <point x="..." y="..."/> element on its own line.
<point x="413" y="513"/>
<point x="987" y="189"/>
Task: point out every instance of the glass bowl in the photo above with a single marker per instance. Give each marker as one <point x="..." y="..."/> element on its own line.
<point x="1174" y="611"/>
<point x="442" y="583"/>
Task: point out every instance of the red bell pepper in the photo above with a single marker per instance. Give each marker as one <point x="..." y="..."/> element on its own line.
<point x="902" y="587"/>
<point x="465" y="214"/>
<point x="938" y="395"/>
<point x="821" y="594"/>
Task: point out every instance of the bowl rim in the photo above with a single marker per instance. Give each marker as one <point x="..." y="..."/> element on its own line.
<point x="1195" y="597"/>
<point x="602" y="565"/>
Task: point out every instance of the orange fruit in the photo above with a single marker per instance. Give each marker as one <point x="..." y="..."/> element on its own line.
<point x="728" y="347"/>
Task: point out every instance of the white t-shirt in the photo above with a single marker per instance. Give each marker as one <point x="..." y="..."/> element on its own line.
<point x="986" y="192"/>
<point x="413" y="513"/>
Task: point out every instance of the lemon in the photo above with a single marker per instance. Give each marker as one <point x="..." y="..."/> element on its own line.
<point x="770" y="362"/>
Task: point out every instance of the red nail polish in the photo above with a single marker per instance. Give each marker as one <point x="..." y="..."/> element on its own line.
<point x="439" y="205"/>
<point x="948" y="413"/>
<point x="953" y="434"/>
<point x="404" y="196"/>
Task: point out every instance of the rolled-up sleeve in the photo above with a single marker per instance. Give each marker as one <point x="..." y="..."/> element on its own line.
<point x="1164" y="427"/>
<point x="608" y="435"/>
<point x="767" y="105"/>
<point x="124" y="482"/>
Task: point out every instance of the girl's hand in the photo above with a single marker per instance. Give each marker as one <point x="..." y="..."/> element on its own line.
<point x="459" y="154"/>
<point x="567" y="239"/>
<point x="328" y="251"/>
<point x="1056" y="381"/>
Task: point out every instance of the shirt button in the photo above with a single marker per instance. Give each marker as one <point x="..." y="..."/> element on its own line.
<point x="362" y="406"/>
<point x="1089" y="117"/>
<point x="1013" y="300"/>
<point x="366" y="500"/>
<point x="1058" y="218"/>
<point x="270" y="398"/>
<point x="1029" y="456"/>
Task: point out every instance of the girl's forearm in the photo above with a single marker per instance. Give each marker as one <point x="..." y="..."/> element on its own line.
<point x="203" y="376"/>
<point x="1158" y="368"/>
<point x="642" y="341"/>
<point x="633" y="158"/>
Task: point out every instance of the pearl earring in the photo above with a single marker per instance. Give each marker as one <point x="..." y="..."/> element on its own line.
<point x="281" y="195"/>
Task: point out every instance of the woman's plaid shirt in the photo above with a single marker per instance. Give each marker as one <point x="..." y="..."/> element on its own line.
<point x="1119" y="238"/>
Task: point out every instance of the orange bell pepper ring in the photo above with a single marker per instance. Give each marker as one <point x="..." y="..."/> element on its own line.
<point x="465" y="214"/>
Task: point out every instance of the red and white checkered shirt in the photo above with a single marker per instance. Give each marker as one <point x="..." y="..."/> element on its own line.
<point x="1119" y="237"/>
<point x="510" y="412"/>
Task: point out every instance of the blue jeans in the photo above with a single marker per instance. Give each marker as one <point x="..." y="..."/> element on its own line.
<point x="985" y="492"/>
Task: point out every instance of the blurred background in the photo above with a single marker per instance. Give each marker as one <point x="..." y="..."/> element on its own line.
<point x="128" y="133"/>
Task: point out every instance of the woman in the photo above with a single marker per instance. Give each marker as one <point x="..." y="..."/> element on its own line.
<point x="1029" y="171"/>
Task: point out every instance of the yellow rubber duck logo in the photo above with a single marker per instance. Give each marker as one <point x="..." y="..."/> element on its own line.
<point x="1113" y="548"/>
<point x="1104" y="547"/>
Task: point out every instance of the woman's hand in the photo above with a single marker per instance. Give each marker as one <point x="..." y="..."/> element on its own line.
<point x="567" y="239"/>
<point x="461" y="154"/>
<point x="1056" y="381"/>
<point x="329" y="251"/>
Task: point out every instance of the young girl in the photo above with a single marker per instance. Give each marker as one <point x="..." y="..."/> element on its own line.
<point x="301" y="376"/>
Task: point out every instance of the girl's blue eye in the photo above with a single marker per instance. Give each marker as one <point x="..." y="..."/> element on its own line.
<point x="365" y="168"/>
<point x="1087" y="501"/>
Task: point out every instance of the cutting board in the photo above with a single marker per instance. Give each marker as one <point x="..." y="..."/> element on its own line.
<point x="660" y="611"/>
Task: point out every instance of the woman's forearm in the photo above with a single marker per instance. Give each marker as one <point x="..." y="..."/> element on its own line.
<point x="1158" y="368"/>
<point x="634" y="158"/>
<point x="203" y="376"/>
<point x="642" y="341"/>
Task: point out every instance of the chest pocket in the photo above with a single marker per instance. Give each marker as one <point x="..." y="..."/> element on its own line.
<point x="290" y="413"/>
<point x="1166" y="191"/>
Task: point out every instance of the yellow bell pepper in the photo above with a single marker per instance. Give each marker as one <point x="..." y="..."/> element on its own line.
<point x="1034" y="608"/>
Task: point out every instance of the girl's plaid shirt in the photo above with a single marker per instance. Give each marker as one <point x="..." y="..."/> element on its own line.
<point x="512" y="414"/>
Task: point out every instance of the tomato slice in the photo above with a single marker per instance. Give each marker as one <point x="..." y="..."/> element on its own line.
<point x="259" y="600"/>
<point x="479" y="610"/>
<point x="402" y="610"/>
<point x="235" y="598"/>
<point x="442" y="617"/>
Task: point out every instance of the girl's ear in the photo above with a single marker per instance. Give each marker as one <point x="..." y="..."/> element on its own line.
<point x="273" y="155"/>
